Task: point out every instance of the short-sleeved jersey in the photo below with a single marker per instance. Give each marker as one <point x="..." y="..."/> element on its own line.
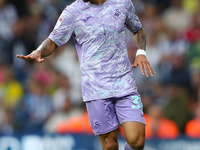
<point x="99" y="35"/>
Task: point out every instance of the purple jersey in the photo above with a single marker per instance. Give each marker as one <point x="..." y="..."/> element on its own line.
<point x="99" y="35"/>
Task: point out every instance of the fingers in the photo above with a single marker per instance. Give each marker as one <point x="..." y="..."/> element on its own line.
<point x="135" y="64"/>
<point x="144" y="67"/>
<point x="30" y="57"/>
<point x="147" y="67"/>
<point x="141" y="68"/>
<point x="150" y="69"/>
<point x="24" y="57"/>
<point x="39" y="60"/>
<point x="138" y="64"/>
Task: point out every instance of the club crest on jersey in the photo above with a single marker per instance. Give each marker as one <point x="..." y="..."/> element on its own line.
<point x="117" y="13"/>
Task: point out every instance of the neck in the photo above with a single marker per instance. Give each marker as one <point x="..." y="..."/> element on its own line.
<point x="96" y="2"/>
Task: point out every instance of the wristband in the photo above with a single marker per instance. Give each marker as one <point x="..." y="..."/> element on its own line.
<point x="141" y="52"/>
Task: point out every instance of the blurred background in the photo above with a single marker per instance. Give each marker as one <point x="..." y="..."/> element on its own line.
<point x="45" y="99"/>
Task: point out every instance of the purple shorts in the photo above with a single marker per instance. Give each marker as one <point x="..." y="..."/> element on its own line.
<point x="105" y="115"/>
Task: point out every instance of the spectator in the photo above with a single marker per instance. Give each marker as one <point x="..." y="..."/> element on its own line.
<point x="62" y="92"/>
<point x="192" y="127"/>
<point x="175" y="17"/>
<point x="65" y="112"/>
<point x="38" y="105"/>
<point x="193" y="31"/>
<point x="146" y="100"/>
<point x="177" y="106"/>
<point x="19" y="44"/>
<point x="11" y="90"/>
<point x="6" y="124"/>
<point x="159" y="126"/>
<point x="67" y="63"/>
<point x="174" y="45"/>
<point x="179" y="74"/>
<point x="161" y="31"/>
<point x="8" y="16"/>
<point x="154" y="54"/>
<point x="78" y="124"/>
<point x="196" y="83"/>
<point x="149" y="18"/>
<point x="20" y="6"/>
<point x="194" y="56"/>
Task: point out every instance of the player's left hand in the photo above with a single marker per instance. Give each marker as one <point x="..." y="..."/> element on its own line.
<point x="144" y="64"/>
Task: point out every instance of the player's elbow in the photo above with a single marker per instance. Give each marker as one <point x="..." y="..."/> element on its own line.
<point x="139" y="31"/>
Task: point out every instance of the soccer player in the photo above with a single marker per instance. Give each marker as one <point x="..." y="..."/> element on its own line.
<point x="108" y="85"/>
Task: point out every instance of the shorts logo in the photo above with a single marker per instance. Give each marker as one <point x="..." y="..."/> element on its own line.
<point x="136" y="102"/>
<point x="96" y="125"/>
<point x="117" y="13"/>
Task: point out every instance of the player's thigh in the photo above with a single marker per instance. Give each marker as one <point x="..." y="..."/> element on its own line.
<point x="109" y="140"/>
<point x="134" y="133"/>
<point x="102" y="116"/>
<point x="104" y="123"/>
<point x="129" y="110"/>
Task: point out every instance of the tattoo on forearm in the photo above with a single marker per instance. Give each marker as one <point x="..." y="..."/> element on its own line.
<point x="141" y="39"/>
<point x="47" y="48"/>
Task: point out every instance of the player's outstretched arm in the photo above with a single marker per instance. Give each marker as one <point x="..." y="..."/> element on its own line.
<point x="45" y="49"/>
<point x="139" y="39"/>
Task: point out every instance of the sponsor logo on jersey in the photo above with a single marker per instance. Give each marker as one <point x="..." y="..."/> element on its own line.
<point x="86" y="19"/>
<point x="58" y="23"/>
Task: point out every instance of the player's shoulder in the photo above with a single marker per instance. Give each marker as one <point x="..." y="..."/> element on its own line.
<point x="73" y="7"/>
<point x="77" y="6"/>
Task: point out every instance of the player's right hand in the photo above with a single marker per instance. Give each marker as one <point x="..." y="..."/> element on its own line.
<point x="35" y="55"/>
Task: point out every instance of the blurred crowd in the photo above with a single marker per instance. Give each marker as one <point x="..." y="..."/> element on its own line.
<point x="47" y="97"/>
